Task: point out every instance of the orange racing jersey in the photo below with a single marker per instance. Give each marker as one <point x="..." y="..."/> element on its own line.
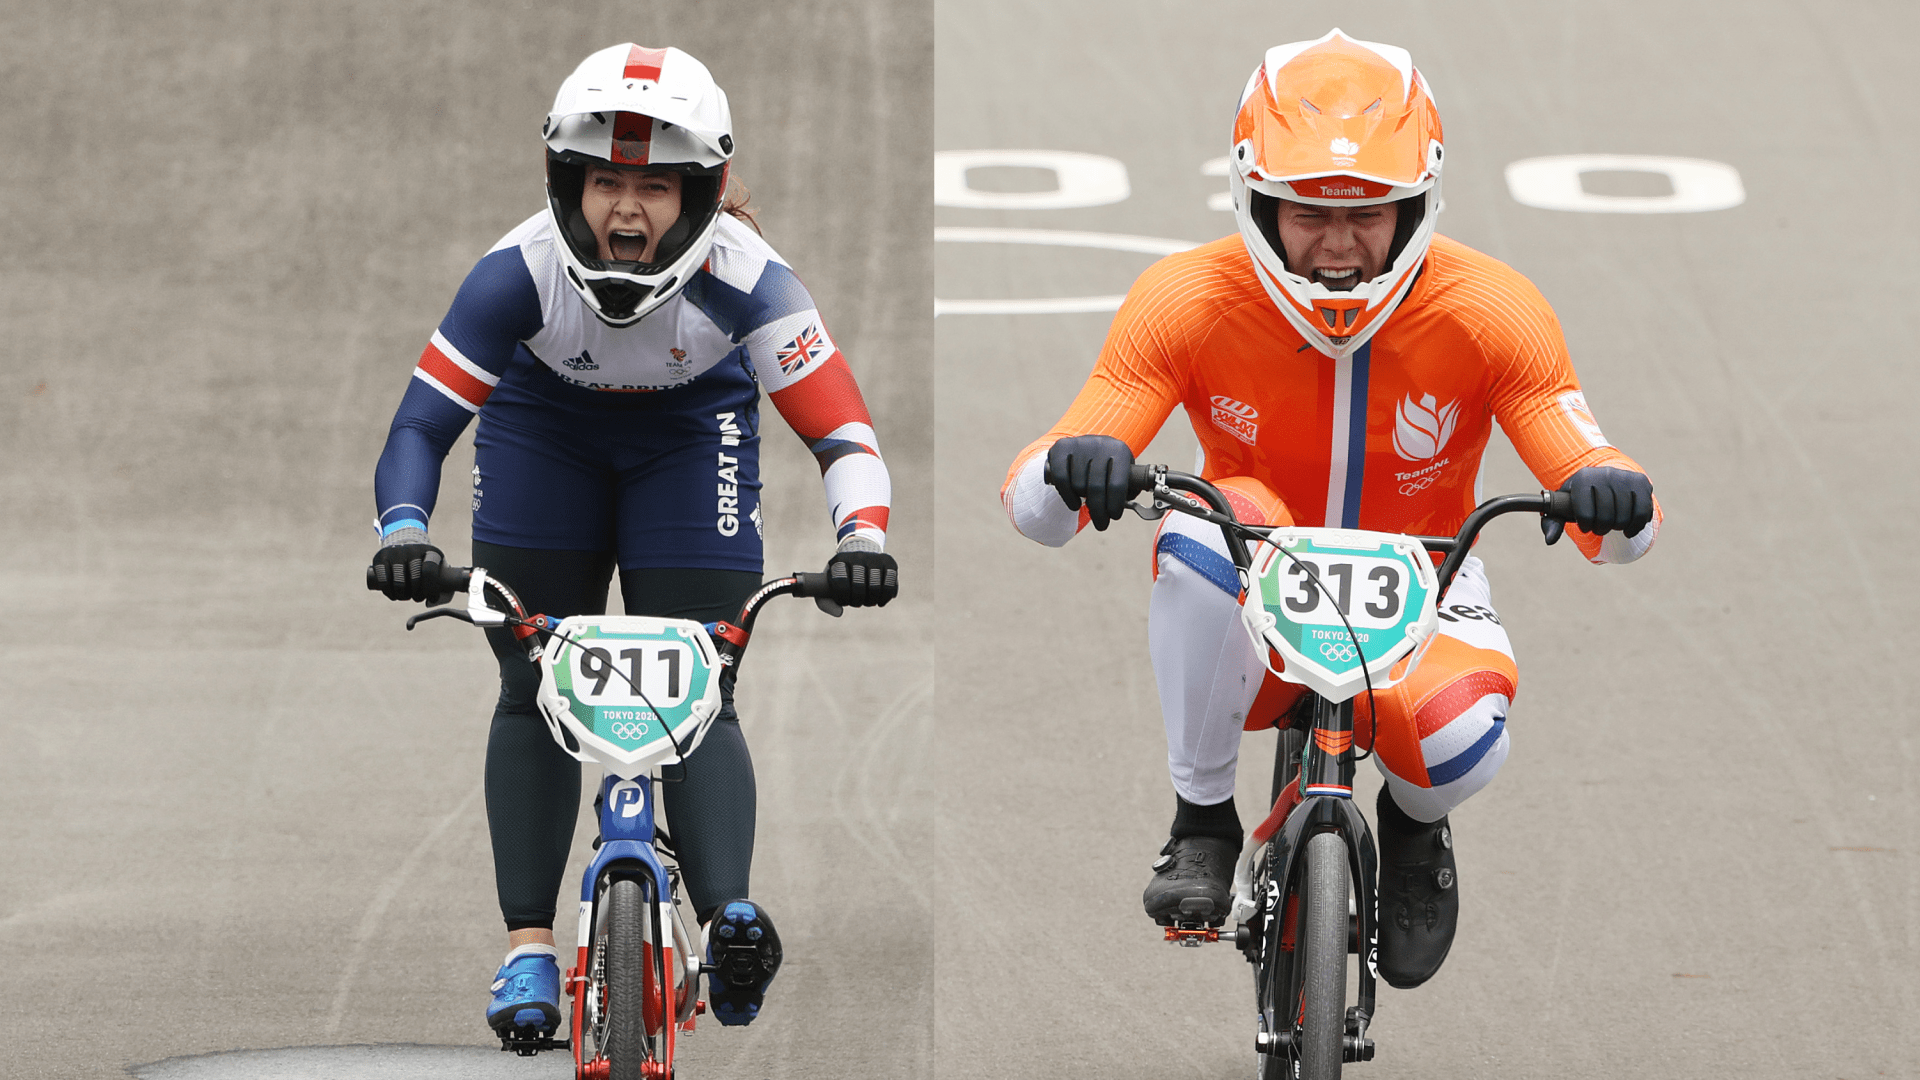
<point x="1389" y="439"/>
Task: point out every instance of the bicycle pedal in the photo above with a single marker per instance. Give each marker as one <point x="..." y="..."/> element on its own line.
<point x="1192" y="936"/>
<point x="526" y="1042"/>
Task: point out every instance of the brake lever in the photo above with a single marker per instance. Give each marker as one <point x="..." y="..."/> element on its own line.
<point x="438" y="613"/>
<point x="1149" y="513"/>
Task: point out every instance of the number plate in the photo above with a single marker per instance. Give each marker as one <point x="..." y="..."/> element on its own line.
<point x="1383" y="585"/>
<point x="628" y="687"/>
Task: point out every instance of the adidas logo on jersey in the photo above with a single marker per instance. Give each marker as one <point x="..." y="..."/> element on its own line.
<point x="583" y="362"/>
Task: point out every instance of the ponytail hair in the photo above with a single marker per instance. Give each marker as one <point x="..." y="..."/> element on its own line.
<point x="735" y="203"/>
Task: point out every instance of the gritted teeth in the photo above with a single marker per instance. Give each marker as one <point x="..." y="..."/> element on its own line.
<point x="1338" y="279"/>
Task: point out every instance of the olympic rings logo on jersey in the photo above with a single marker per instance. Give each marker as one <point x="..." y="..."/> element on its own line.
<point x="1414" y="487"/>
<point x="1338" y="651"/>
<point x="624" y="730"/>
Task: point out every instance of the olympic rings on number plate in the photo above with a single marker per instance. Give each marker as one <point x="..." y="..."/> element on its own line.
<point x="1338" y="651"/>
<point x="624" y="730"/>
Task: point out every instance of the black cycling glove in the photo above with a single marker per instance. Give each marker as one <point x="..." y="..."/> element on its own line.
<point x="1606" y="498"/>
<point x="410" y="570"/>
<point x="1093" y="468"/>
<point x="862" y="578"/>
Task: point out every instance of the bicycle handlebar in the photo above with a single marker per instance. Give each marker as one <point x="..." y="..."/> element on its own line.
<point x="1554" y="507"/>
<point x="453" y="579"/>
<point x="729" y="638"/>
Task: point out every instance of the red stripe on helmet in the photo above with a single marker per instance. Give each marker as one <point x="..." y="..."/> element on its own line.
<point x="644" y="63"/>
<point x="632" y="136"/>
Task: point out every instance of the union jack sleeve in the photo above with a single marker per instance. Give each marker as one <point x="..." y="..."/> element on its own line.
<point x="497" y="307"/>
<point x="824" y="407"/>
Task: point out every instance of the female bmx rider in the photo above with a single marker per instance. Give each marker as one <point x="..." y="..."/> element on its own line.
<point x="614" y="347"/>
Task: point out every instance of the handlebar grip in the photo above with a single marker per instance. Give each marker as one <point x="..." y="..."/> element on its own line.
<point x="451" y="579"/>
<point x="815" y="585"/>
<point x="1139" y="479"/>
<point x="1560" y="505"/>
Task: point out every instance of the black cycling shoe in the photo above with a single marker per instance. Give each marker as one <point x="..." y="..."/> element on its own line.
<point x="1419" y="895"/>
<point x="1192" y="881"/>
<point x="743" y="952"/>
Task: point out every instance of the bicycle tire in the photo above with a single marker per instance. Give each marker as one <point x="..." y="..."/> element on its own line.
<point x="1323" y="959"/>
<point x="627" y="1047"/>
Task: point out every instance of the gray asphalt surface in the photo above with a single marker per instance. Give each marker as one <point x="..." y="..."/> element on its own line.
<point x="1700" y="859"/>
<point x="241" y="806"/>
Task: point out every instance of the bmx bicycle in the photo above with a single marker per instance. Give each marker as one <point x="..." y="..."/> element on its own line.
<point x="1348" y="612"/>
<point x="635" y="695"/>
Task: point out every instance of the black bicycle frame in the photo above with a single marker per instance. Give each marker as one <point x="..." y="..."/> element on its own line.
<point x="1326" y="764"/>
<point x="1326" y="805"/>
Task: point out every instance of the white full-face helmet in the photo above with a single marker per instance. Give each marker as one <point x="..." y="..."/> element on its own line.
<point x="630" y="107"/>
<point x="1336" y="122"/>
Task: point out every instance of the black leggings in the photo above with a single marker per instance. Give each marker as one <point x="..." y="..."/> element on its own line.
<point x="533" y="786"/>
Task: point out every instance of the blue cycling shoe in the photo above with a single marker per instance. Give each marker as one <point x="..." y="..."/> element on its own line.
<point x="744" y="953"/>
<point x="526" y="992"/>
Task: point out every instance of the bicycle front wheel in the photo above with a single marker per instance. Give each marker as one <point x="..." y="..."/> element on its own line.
<point x="1322" y="1013"/>
<point x="627" y="1046"/>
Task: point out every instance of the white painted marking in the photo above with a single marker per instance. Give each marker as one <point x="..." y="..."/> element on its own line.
<point x="1079" y="179"/>
<point x="376" y="909"/>
<point x="1553" y="183"/>
<point x="1066" y="305"/>
<point x="1146" y="245"/>
<point x="1219" y="200"/>
<point x="389" y="1062"/>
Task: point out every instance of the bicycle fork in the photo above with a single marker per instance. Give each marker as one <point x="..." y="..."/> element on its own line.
<point x="625" y="849"/>
<point x="1320" y="799"/>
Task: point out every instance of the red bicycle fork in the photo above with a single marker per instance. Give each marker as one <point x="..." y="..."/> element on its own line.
<point x="578" y="987"/>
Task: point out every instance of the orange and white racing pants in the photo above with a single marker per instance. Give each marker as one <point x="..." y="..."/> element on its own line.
<point x="1441" y="733"/>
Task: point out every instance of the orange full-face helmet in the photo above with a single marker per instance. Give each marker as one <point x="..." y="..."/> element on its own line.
<point x="1336" y="122"/>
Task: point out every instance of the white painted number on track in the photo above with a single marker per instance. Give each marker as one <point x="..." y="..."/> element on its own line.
<point x="1079" y="180"/>
<point x="1548" y="183"/>
<point x="1146" y="245"/>
<point x="1553" y="183"/>
<point x="1219" y="200"/>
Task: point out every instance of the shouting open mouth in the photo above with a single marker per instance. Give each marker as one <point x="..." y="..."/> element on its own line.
<point x="627" y="246"/>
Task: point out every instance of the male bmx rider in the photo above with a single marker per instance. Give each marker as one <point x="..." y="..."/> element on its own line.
<point x="1343" y="366"/>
